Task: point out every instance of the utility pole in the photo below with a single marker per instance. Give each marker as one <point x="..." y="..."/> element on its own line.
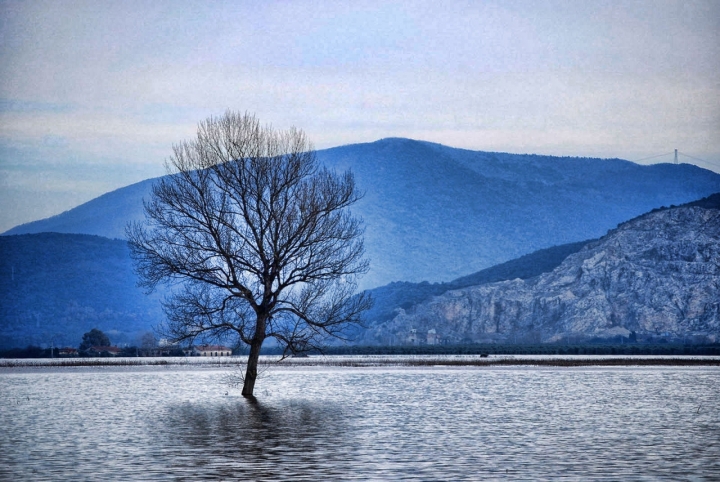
<point x="676" y="161"/>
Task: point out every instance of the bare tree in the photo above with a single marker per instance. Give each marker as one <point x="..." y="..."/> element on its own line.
<point x="259" y="236"/>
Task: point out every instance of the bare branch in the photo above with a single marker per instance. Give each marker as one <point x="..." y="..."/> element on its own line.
<point x="259" y="235"/>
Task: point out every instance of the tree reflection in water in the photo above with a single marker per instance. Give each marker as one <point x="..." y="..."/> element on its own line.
<point x="246" y="438"/>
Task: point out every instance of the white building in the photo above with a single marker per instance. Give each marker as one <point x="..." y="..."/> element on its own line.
<point x="211" y="350"/>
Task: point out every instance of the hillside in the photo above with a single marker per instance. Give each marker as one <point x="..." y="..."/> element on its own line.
<point x="656" y="276"/>
<point x="437" y="213"/>
<point x="62" y="285"/>
<point x="104" y="216"/>
<point x="405" y="295"/>
<point x="55" y="287"/>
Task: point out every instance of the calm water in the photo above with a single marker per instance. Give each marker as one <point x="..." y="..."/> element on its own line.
<point x="183" y="423"/>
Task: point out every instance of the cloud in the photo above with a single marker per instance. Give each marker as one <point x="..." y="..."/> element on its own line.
<point x="113" y="85"/>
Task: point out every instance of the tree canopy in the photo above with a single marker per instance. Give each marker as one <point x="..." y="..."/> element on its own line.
<point x="260" y="237"/>
<point x="94" y="337"/>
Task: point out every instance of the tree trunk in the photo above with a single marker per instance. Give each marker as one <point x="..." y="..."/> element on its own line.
<point x="252" y="363"/>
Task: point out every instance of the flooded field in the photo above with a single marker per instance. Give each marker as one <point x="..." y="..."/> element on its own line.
<point x="375" y="361"/>
<point x="367" y="423"/>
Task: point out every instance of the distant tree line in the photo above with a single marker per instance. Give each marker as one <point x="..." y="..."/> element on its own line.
<point x="32" y="351"/>
<point x="539" y="349"/>
<point x="462" y="349"/>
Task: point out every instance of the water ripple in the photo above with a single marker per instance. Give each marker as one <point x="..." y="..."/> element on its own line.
<point x="362" y="424"/>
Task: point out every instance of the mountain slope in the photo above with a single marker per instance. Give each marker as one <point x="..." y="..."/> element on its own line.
<point x="657" y="275"/>
<point x="55" y="287"/>
<point x="437" y="213"/>
<point x="405" y="295"/>
<point x="104" y="216"/>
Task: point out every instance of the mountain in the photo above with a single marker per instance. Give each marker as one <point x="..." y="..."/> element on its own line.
<point x="406" y="295"/>
<point x="437" y="213"/>
<point x="55" y="287"/>
<point x="104" y="216"/>
<point x="656" y="276"/>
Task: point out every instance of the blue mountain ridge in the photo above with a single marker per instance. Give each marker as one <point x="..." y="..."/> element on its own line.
<point x="55" y="287"/>
<point x="436" y="213"/>
<point x="61" y="285"/>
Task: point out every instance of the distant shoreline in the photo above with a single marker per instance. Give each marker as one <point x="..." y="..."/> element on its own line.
<point x="369" y="361"/>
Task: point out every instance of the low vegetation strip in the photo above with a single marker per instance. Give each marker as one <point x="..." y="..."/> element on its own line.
<point x="119" y="362"/>
<point x="617" y="350"/>
<point x="370" y="361"/>
<point x="561" y="362"/>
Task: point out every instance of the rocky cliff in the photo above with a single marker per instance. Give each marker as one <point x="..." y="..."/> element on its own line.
<point x="657" y="276"/>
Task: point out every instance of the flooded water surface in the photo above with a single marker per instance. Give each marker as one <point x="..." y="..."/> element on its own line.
<point x="324" y="423"/>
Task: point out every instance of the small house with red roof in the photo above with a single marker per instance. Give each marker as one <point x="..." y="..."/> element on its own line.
<point x="104" y="351"/>
<point x="68" y="351"/>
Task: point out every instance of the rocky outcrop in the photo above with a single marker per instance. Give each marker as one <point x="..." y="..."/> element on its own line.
<point x="657" y="276"/>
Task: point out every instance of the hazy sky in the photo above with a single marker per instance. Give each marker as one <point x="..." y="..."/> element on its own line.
<point x="93" y="94"/>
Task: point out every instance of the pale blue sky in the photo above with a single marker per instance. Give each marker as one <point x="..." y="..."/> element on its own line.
<point x="93" y="94"/>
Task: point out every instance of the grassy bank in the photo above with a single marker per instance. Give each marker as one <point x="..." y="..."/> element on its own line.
<point x="659" y="349"/>
<point x="373" y="361"/>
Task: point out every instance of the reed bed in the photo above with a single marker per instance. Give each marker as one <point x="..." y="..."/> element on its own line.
<point x="117" y="362"/>
<point x="533" y="362"/>
<point x="368" y="361"/>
